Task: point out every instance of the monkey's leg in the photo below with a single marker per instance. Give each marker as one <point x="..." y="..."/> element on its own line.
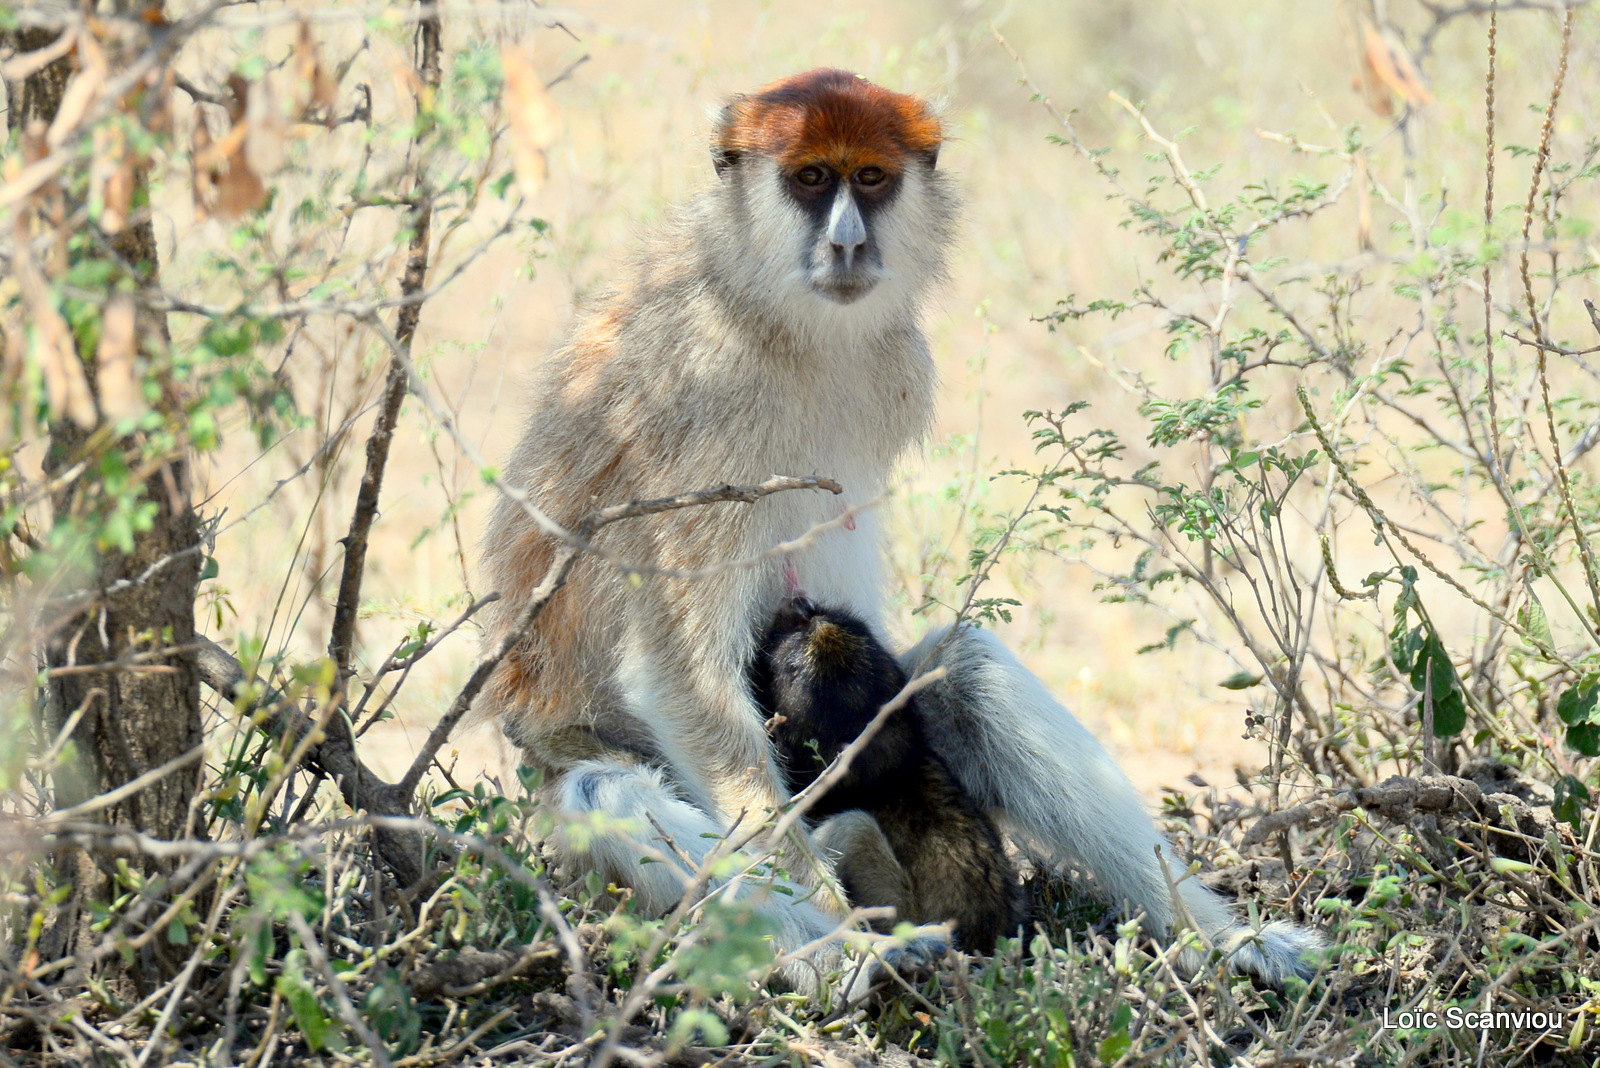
<point x="954" y="861"/>
<point x="866" y="864"/>
<point x="668" y="830"/>
<point x="1014" y="747"/>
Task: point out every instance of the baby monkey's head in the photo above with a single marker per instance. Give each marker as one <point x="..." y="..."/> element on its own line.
<point x="806" y="637"/>
<point x="811" y="652"/>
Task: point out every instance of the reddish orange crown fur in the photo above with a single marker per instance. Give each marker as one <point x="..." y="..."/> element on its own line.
<point x="832" y="117"/>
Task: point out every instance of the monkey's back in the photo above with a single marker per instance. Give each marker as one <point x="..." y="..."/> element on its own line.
<point x="955" y="862"/>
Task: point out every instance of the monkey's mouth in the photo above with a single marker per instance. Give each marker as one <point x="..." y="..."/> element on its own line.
<point x="794" y="610"/>
<point x="845" y="287"/>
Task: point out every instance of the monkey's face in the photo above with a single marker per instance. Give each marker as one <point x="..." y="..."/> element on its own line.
<point x="834" y="183"/>
<point x="843" y="201"/>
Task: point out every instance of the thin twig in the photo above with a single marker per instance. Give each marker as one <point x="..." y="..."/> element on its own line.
<point x="430" y="44"/>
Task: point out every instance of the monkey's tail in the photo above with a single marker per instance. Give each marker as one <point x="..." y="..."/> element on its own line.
<point x="1015" y="748"/>
<point x="1276" y="952"/>
<point x="1273" y="952"/>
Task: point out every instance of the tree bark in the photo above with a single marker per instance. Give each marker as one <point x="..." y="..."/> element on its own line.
<point x="133" y="720"/>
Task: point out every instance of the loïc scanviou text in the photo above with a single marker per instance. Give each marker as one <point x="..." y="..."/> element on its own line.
<point x="1456" y="1018"/>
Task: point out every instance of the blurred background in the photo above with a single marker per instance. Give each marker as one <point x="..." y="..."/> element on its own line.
<point x="635" y="84"/>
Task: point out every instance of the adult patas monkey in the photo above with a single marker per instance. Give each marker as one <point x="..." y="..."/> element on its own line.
<point x="772" y="328"/>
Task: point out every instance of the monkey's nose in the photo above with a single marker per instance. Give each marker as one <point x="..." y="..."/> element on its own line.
<point x="847" y="231"/>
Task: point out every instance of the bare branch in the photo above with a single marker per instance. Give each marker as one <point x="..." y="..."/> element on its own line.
<point x="429" y="44"/>
<point x="556" y="577"/>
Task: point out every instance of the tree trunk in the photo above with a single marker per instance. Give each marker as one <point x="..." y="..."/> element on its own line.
<point x="133" y="719"/>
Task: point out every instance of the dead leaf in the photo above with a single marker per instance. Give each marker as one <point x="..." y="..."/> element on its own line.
<point x="120" y="394"/>
<point x="65" y="382"/>
<point x="81" y="92"/>
<point x="224" y="183"/>
<point x="232" y="144"/>
<point x="313" y="79"/>
<point x="239" y="190"/>
<point x="266" y="128"/>
<point x="111" y="176"/>
<point x="1386" y="67"/>
<point x="50" y="346"/>
<point x="533" y="117"/>
<point x="238" y="93"/>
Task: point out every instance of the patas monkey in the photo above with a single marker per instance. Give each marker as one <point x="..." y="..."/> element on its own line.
<point x="822" y="675"/>
<point x="773" y="328"/>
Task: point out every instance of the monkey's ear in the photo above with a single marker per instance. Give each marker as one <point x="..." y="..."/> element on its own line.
<point x="723" y="154"/>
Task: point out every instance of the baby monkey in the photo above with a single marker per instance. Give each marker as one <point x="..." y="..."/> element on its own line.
<point x="922" y="845"/>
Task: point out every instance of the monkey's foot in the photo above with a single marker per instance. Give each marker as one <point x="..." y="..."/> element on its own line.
<point x="911" y="958"/>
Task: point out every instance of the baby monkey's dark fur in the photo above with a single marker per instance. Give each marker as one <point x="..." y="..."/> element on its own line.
<point x="932" y="853"/>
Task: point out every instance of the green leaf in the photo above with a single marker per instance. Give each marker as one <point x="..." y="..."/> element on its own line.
<point x="1504" y="865"/>
<point x="117" y="531"/>
<point x="1571" y="796"/>
<point x="1404" y="645"/>
<point x="1585" y="738"/>
<point x="1449" y="716"/>
<point x="1240" y="680"/>
<point x="1118" y="1042"/>
<point x="280" y="888"/>
<point x="701" y="1022"/>
<point x="1433" y="674"/>
<point x="1408" y="590"/>
<point x="392" y="1013"/>
<point x="1534" y="619"/>
<point x="1577" y="702"/>
<point x="303" y="1002"/>
<point x="260" y="953"/>
<point x="1440" y="672"/>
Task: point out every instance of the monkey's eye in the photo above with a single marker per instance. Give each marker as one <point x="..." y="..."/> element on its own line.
<point x="812" y="175"/>
<point x="870" y="175"/>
